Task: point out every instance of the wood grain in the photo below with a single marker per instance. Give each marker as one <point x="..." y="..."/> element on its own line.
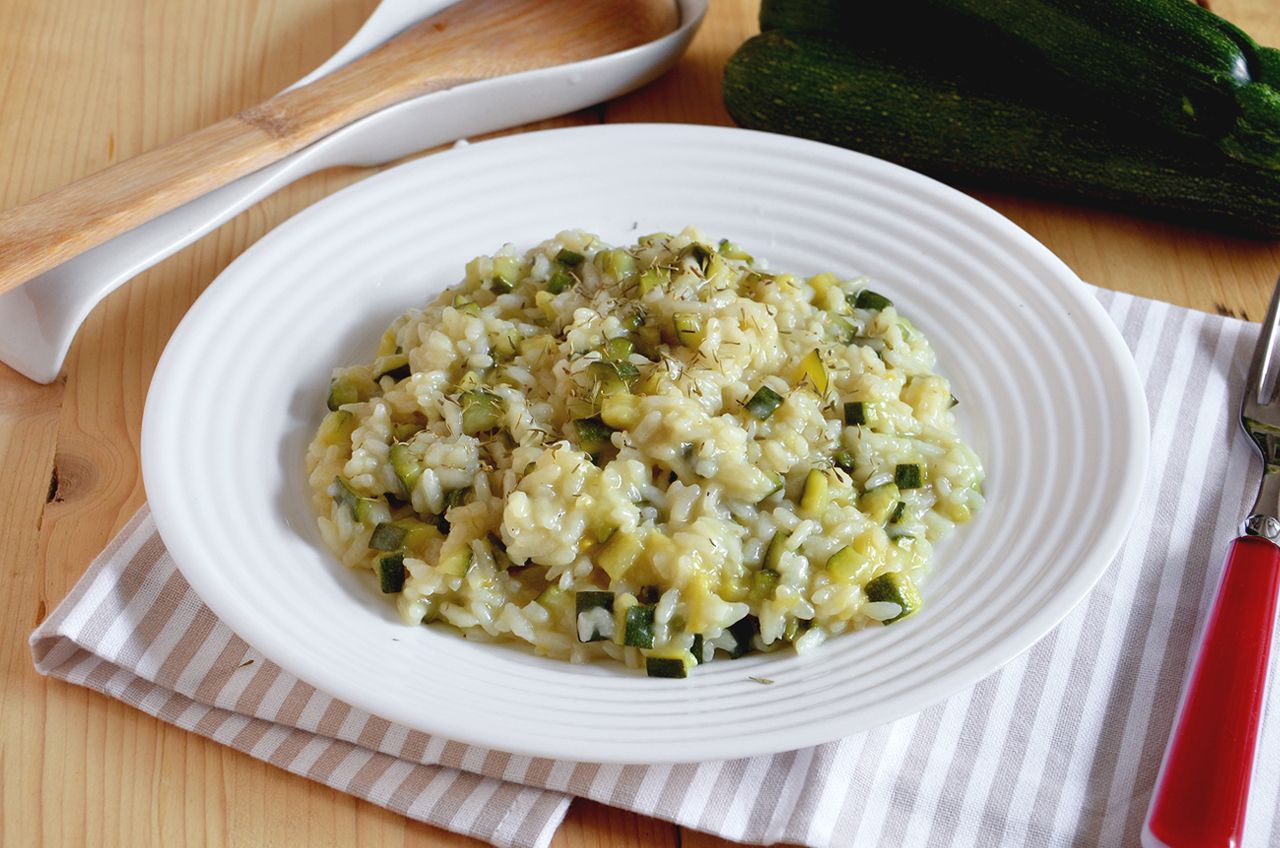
<point x="85" y="83"/>
<point x="457" y="46"/>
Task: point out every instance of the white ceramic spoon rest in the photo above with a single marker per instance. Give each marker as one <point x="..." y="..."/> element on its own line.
<point x="39" y="320"/>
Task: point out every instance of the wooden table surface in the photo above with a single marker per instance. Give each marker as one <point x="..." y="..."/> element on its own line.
<point x="84" y="83"/>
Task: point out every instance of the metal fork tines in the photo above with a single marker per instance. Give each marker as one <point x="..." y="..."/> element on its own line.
<point x="1260" y="418"/>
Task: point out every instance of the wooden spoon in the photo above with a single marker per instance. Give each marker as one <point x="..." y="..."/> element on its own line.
<point x="475" y="39"/>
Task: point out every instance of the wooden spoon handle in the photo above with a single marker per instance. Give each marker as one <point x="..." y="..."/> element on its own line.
<point x="67" y="221"/>
<point x="473" y="40"/>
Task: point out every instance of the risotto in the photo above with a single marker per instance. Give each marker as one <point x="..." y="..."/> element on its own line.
<point x="661" y="453"/>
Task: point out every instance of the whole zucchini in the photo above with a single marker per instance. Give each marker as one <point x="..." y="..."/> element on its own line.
<point x="1177" y="65"/>
<point x="928" y="114"/>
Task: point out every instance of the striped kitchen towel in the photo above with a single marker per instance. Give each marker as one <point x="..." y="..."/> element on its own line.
<point x="1060" y="747"/>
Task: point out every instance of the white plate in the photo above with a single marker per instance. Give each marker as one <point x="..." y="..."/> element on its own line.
<point x="1049" y="398"/>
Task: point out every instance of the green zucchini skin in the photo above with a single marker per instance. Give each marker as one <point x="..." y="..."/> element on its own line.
<point x="1174" y="63"/>
<point x="931" y="117"/>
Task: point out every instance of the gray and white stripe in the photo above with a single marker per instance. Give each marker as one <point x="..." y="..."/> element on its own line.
<point x="1060" y="747"/>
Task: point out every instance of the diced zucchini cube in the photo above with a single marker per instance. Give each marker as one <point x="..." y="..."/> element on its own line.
<point x="729" y="250"/>
<point x="777" y="547"/>
<point x="391" y="573"/>
<point x="606" y="380"/>
<point x="744" y="631"/>
<point x="674" y="667"/>
<point x="814" y="371"/>
<point x="688" y="326"/>
<point x="337" y="427"/>
<point x="387" y="537"/>
<point x="620" y="553"/>
<point x="763" y="584"/>
<point x="617" y="262"/>
<point x="867" y="299"/>
<point x="857" y="560"/>
<point x="764" y="402"/>
<point x="372" y="511"/>
<point x="909" y="475"/>
<point x="559" y="280"/>
<point x="342" y="392"/>
<point x="654" y="278"/>
<point x="481" y="411"/>
<point x="417" y="535"/>
<point x="407" y="466"/>
<point x="457" y="562"/>
<point x="611" y="377"/>
<point x="627" y="371"/>
<point x="405" y="431"/>
<point x="620" y="411"/>
<point x="570" y="258"/>
<point x="593" y="434"/>
<point x="506" y="273"/>
<point x="620" y="348"/>
<point x="846" y="563"/>
<point x="896" y="587"/>
<point x="639" y="632"/>
<point x="879" y="502"/>
<point x="814" y="499"/>
<point x="554" y="600"/>
<point x="395" y="366"/>
<point x="505" y="344"/>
